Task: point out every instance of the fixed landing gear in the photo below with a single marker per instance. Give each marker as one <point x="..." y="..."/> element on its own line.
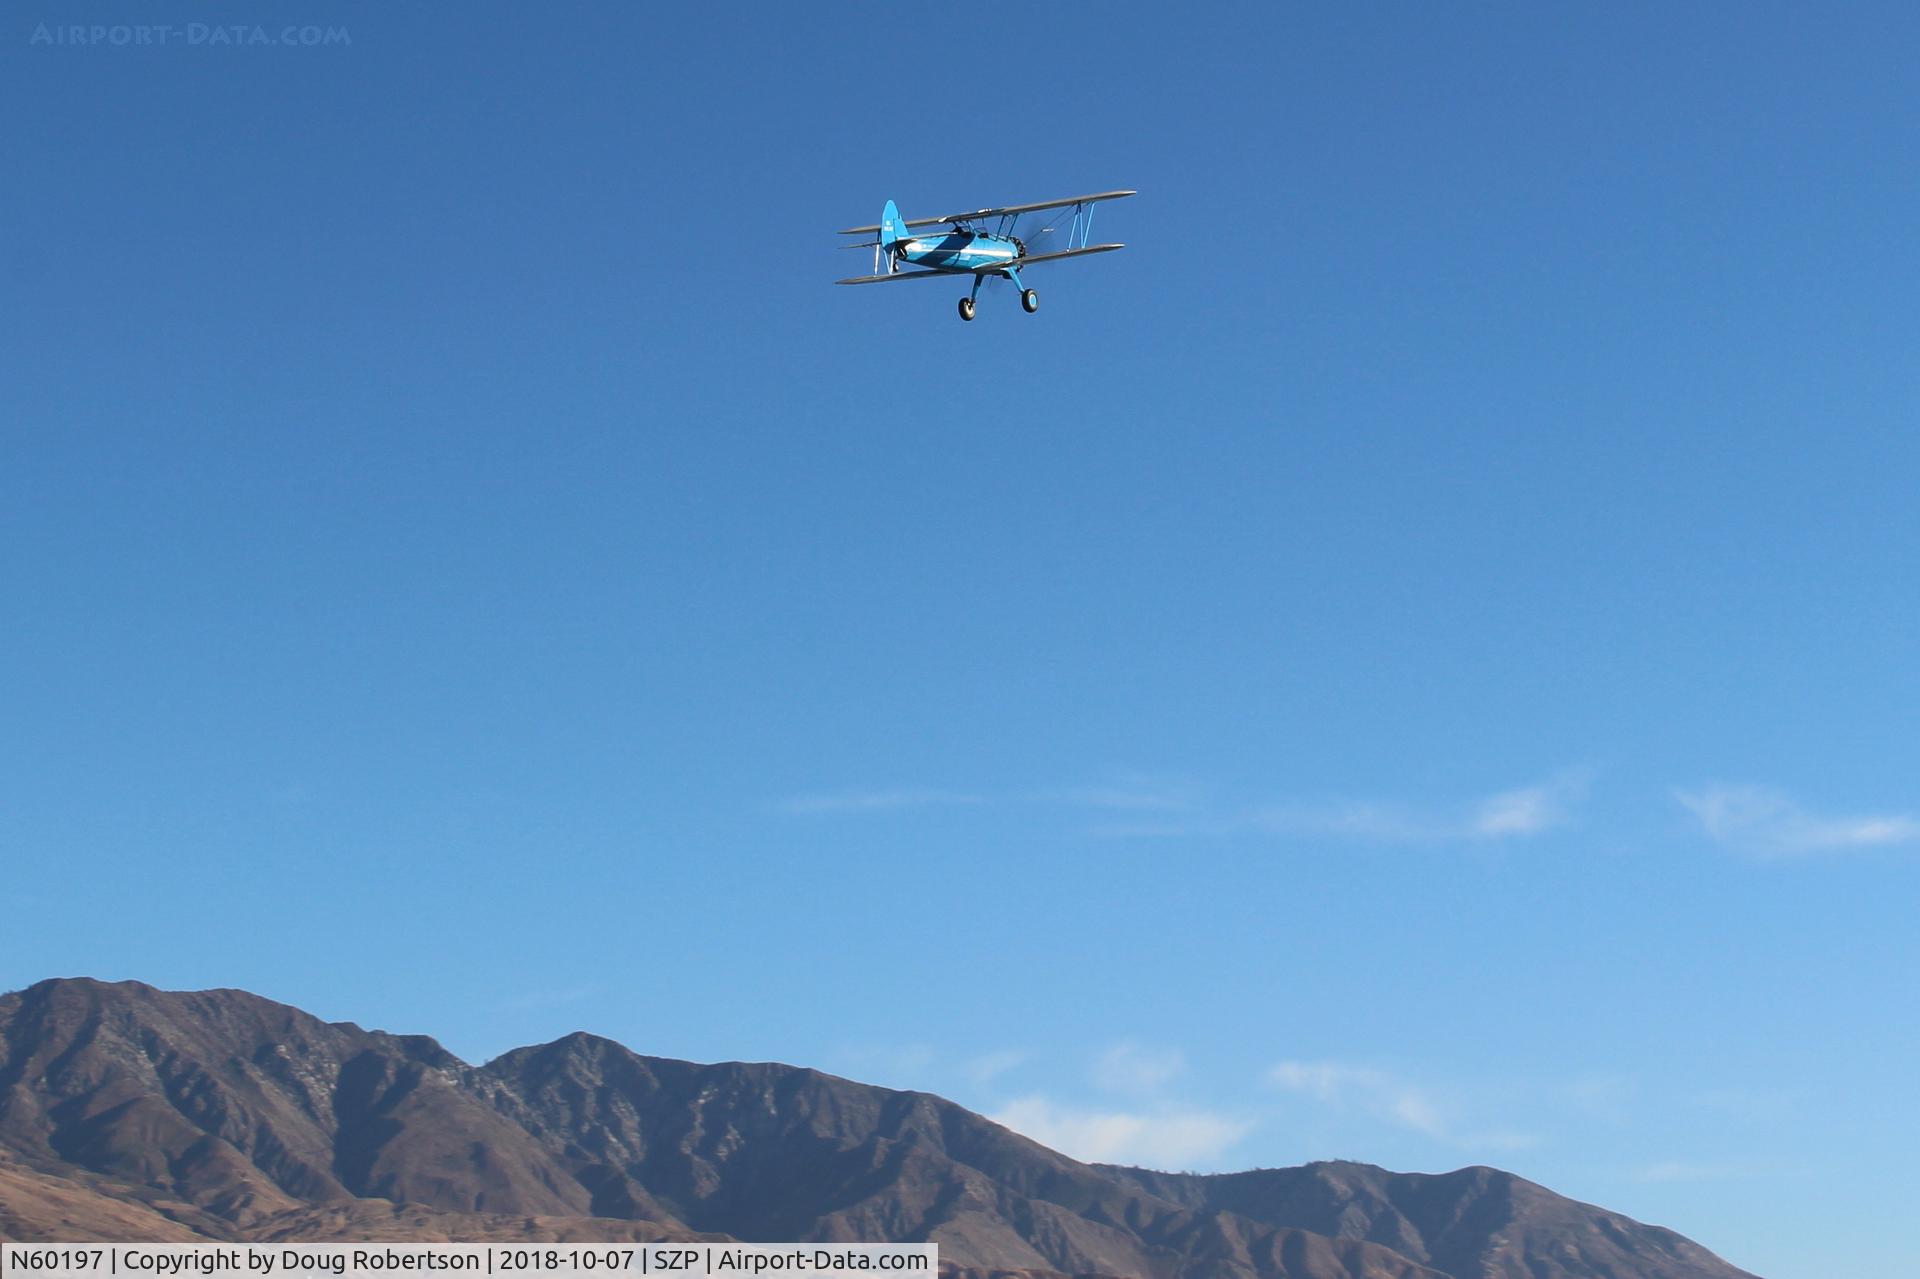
<point x="1029" y="300"/>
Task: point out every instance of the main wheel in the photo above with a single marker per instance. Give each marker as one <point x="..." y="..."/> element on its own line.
<point x="1030" y="300"/>
<point x="966" y="308"/>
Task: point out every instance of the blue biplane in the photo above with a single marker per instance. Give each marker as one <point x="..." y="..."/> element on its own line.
<point x="1021" y="236"/>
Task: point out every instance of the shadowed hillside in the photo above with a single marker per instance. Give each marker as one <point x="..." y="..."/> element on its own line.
<point x="129" y="1112"/>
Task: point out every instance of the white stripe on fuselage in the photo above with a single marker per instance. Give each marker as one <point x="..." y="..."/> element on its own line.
<point x="979" y="250"/>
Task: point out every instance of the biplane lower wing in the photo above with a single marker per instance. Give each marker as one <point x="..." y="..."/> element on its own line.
<point x="1064" y="253"/>
<point x="901" y="275"/>
<point x="995" y="268"/>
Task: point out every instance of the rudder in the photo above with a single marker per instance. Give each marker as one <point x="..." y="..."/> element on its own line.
<point x="891" y="227"/>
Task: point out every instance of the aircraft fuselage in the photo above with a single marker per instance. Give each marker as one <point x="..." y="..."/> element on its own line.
<point x="958" y="250"/>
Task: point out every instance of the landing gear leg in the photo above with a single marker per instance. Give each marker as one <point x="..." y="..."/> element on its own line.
<point x="1029" y="300"/>
<point x="966" y="303"/>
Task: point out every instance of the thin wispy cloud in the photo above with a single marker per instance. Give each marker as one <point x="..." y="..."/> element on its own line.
<point x="1132" y="793"/>
<point x="1334" y="1083"/>
<point x="1389" y="1099"/>
<point x="1147" y="806"/>
<point x="1171" y="1139"/>
<point x="1531" y="810"/>
<point x="874" y="801"/>
<point x="1137" y="1069"/>
<point x="1679" y="1170"/>
<point x="1520" y="813"/>
<point x="983" y="1070"/>
<point x="1361" y="820"/>
<point x="1761" y="822"/>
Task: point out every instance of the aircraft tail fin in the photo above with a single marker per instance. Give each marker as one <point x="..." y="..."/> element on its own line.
<point x="891" y="227"/>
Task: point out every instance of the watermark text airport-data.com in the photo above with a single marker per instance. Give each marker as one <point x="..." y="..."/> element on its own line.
<point x="186" y="35"/>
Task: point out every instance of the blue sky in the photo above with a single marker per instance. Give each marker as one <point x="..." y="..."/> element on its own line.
<point x="1411" y="661"/>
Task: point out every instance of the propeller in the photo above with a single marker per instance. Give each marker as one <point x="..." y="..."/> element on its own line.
<point x="1044" y="230"/>
<point x="1041" y="231"/>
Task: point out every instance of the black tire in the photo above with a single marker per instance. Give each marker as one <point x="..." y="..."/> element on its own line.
<point x="966" y="308"/>
<point x="1029" y="301"/>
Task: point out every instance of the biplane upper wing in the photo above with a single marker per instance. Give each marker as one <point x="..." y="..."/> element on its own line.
<point x="978" y="214"/>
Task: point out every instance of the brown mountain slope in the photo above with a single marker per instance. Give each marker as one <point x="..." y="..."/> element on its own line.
<point x="246" y="1107"/>
<point x="38" y="1206"/>
<point x="250" y="1110"/>
<point x="773" y="1152"/>
<point x="259" y="1118"/>
<point x="1476" y="1223"/>
<point x="387" y="1222"/>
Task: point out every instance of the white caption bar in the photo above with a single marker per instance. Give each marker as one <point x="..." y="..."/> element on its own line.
<point x="512" y="1261"/>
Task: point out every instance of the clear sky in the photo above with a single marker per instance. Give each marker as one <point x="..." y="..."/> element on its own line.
<point x="1414" y="660"/>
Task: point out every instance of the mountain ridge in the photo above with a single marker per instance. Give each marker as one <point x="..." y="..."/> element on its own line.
<point x="228" y="1114"/>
